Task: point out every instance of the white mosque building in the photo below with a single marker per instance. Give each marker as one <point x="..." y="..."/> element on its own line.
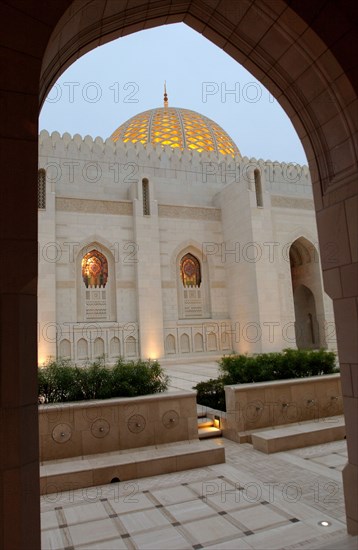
<point x="164" y="242"/>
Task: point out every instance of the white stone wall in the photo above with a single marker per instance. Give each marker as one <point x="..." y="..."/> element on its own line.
<point x="200" y="202"/>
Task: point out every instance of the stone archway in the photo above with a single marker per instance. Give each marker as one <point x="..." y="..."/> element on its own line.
<point x="307" y="295"/>
<point x="301" y="52"/>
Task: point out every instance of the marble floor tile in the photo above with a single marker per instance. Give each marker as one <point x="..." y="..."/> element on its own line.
<point x="281" y="537"/>
<point x="130" y="502"/>
<point x="211" y="529"/>
<point x="331" y="460"/>
<point x="52" y="539"/>
<point x="83" y="513"/>
<point x="49" y="520"/>
<point x="99" y="530"/>
<point x="258" y="517"/>
<point x="233" y="544"/>
<point x="228" y="501"/>
<point x="166" y="539"/>
<point x="173" y="495"/>
<point x="217" y="507"/>
<point x="187" y="511"/>
<point x="109" y="544"/>
<point x="136" y="522"/>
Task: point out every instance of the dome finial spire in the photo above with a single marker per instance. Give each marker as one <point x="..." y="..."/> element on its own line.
<point x="165" y="94"/>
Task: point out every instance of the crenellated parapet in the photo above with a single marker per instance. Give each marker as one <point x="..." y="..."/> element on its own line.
<point x="94" y="159"/>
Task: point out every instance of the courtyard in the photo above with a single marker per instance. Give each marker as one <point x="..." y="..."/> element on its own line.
<point x="253" y="501"/>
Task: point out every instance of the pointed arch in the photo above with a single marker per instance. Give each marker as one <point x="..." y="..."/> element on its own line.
<point x="170" y="346"/>
<point x="212" y="342"/>
<point x="95" y="283"/>
<point x="190" y="271"/>
<point x="307" y="293"/>
<point x="94" y="269"/>
<point x="115" y="347"/>
<point x="198" y="342"/>
<point x="98" y="347"/>
<point x="65" y="348"/>
<point x="226" y="341"/>
<point x="82" y="349"/>
<point x="185" y="343"/>
<point x="192" y="281"/>
<point x="131" y="347"/>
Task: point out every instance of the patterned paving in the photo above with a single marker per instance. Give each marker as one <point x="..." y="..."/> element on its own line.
<point x="184" y="377"/>
<point x="252" y="501"/>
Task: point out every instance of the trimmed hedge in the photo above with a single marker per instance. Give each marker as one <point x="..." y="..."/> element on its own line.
<point x="211" y="394"/>
<point x="242" y="369"/>
<point x="290" y="363"/>
<point x="61" y="381"/>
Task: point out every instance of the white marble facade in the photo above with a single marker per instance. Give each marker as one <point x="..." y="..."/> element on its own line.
<point x="249" y="225"/>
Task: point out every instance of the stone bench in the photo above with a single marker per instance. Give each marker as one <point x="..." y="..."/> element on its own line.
<point x="100" y="469"/>
<point x="304" y="434"/>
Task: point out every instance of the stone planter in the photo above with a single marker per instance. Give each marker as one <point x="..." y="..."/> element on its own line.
<point x="267" y="404"/>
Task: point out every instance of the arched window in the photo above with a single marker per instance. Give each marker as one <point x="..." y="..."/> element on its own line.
<point x="192" y="285"/>
<point x="96" y="284"/>
<point x="94" y="269"/>
<point x="190" y="271"/>
<point x="145" y="193"/>
<point x="258" y="188"/>
<point x="41" y="189"/>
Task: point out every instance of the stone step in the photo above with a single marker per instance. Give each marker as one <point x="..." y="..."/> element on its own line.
<point x="294" y="436"/>
<point x="210" y="431"/>
<point x="101" y="469"/>
<point x="205" y="422"/>
<point x="201" y="411"/>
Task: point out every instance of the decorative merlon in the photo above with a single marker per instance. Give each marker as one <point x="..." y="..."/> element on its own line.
<point x="208" y="164"/>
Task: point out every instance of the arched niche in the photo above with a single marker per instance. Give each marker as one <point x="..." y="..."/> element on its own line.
<point x="307" y="292"/>
<point x="96" y="284"/>
<point x="193" y="288"/>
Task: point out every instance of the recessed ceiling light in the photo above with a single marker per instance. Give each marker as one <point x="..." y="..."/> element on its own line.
<point x="324" y="523"/>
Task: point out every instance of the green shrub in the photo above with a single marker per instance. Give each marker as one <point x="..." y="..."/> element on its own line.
<point x="242" y="369"/>
<point x="61" y="381"/>
<point x="94" y="380"/>
<point x="211" y="394"/>
<point x="290" y="363"/>
<point x="137" y="378"/>
<point x="57" y="382"/>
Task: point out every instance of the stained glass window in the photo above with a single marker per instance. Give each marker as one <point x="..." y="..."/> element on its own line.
<point x="190" y="271"/>
<point x="94" y="269"/>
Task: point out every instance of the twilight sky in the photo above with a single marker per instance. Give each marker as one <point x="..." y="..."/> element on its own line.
<point x="125" y="77"/>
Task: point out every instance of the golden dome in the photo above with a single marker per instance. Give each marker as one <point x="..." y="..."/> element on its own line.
<point x="176" y="127"/>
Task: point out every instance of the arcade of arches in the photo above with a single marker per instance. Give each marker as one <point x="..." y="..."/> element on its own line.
<point x="303" y="52"/>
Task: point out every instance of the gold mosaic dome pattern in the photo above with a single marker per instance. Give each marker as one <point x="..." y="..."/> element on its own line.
<point x="175" y="127"/>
